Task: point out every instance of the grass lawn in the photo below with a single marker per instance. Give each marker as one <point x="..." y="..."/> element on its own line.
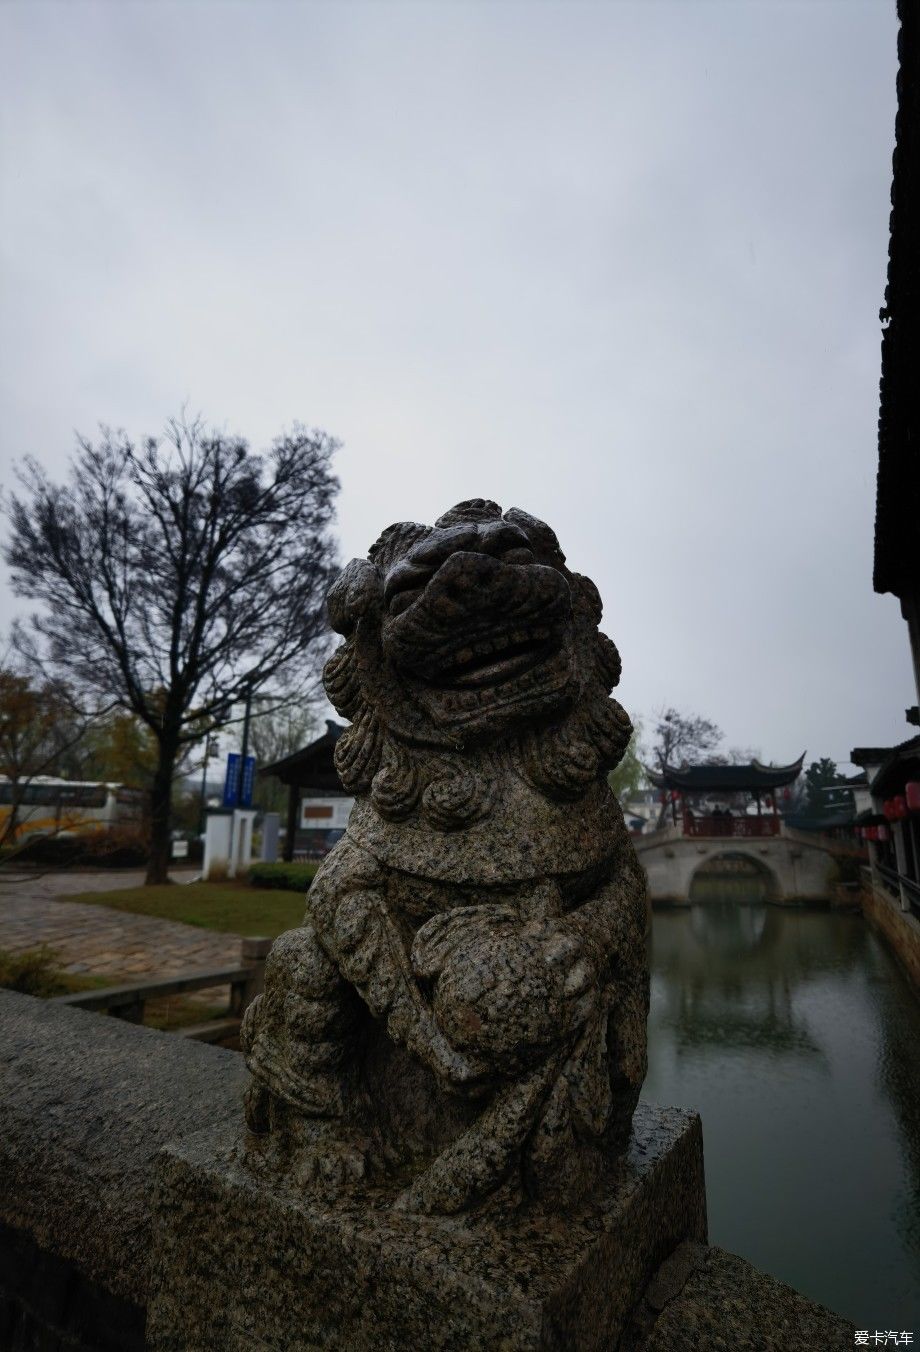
<point x="231" y="907"/>
<point x="38" y="971"/>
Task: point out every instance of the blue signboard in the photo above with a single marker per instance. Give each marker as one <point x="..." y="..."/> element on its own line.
<point x="231" y="779"/>
<point x="232" y="795"/>
<point x="249" y="775"/>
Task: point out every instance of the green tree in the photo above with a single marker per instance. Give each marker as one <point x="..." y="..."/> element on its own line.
<point x="629" y="776"/>
<point x="821" y="787"/>
<point x="119" y="749"/>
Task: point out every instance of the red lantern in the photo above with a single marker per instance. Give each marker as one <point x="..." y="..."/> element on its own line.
<point x="899" y="804"/>
<point x="787" y="794"/>
<point x="912" y="795"/>
<point x="871" y="833"/>
<point x="888" y="809"/>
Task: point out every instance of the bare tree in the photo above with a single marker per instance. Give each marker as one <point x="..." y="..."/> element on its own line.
<point x="682" y="737"/>
<point x="177" y="576"/>
<point x="735" y="755"/>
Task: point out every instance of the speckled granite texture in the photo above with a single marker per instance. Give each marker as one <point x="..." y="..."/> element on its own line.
<point x="463" y="1009"/>
<point x="240" y="1266"/>
<point x="703" y="1297"/>
<point x="86" y="1102"/>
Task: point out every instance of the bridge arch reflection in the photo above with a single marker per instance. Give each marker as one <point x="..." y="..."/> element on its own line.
<point x="733" y="876"/>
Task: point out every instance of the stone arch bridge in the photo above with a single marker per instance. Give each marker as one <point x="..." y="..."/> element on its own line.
<point x="795" y="867"/>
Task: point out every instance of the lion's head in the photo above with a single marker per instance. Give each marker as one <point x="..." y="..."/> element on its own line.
<point x="466" y="642"/>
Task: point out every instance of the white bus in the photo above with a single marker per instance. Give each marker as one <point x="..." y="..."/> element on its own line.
<point x="67" y="807"/>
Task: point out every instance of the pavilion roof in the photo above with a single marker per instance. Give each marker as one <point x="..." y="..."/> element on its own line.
<point x="751" y="778"/>
<point x="312" y="767"/>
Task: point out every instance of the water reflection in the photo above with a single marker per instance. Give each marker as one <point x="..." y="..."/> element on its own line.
<point x="796" y="1036"/>
<point x="725" y="927"/>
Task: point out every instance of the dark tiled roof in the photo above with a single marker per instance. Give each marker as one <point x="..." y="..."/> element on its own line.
<point x="897" y="510"/>
<point x="901" y="764"/>
<point x="727" y="778"/>
<point x="869" y="755"/>
<point x="312" y="767"/>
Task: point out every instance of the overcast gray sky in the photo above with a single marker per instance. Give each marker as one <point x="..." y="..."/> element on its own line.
<point x="619" y="264"/>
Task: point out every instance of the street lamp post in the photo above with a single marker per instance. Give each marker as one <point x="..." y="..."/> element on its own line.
<point x="245" y="751"/>
<point x="204" y="786"/>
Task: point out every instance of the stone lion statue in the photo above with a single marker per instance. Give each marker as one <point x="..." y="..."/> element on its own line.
<point x="461" y="1016"/>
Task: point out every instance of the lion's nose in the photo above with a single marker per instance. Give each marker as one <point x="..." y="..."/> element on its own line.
<point x="503" y="540"/>
<point x="494" y="539"/>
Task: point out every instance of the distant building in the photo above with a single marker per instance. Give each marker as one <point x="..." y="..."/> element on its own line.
<point x="318" y="806"/>
<point x="891" y="822"/>
<point x="641" y="810"/>
<point x="897" y="510"/>
<point x="725" y="800"/>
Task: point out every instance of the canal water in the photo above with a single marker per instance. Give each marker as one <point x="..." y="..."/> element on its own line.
<point x="795" y="1035"/>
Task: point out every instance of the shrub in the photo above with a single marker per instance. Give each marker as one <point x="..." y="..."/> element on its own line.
<point x="288" y="877"/>
<point x="50" y="851"/>
<point x="117" y="847"/>
<point x="34" y="972"/>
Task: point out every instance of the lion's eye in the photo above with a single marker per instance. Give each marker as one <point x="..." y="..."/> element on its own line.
<point x="403" y="600"/>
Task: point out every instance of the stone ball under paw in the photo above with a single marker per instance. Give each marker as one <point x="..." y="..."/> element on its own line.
<point x="499" y="995"/>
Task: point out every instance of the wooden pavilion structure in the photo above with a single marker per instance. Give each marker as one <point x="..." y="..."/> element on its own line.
<point x="309" y="770"/>
<point x="688" y="787"/>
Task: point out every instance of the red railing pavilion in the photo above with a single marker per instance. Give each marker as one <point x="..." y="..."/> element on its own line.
<point x="691" y="791"/>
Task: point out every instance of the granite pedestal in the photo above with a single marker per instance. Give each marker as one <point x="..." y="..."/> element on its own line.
<point x="240" y="1264"/>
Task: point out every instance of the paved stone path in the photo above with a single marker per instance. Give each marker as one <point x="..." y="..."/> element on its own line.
<point x="101" y="941"/>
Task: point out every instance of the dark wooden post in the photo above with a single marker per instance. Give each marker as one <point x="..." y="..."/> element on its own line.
<point x="293" y="804"/>
<point x="130" y="1013"/>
